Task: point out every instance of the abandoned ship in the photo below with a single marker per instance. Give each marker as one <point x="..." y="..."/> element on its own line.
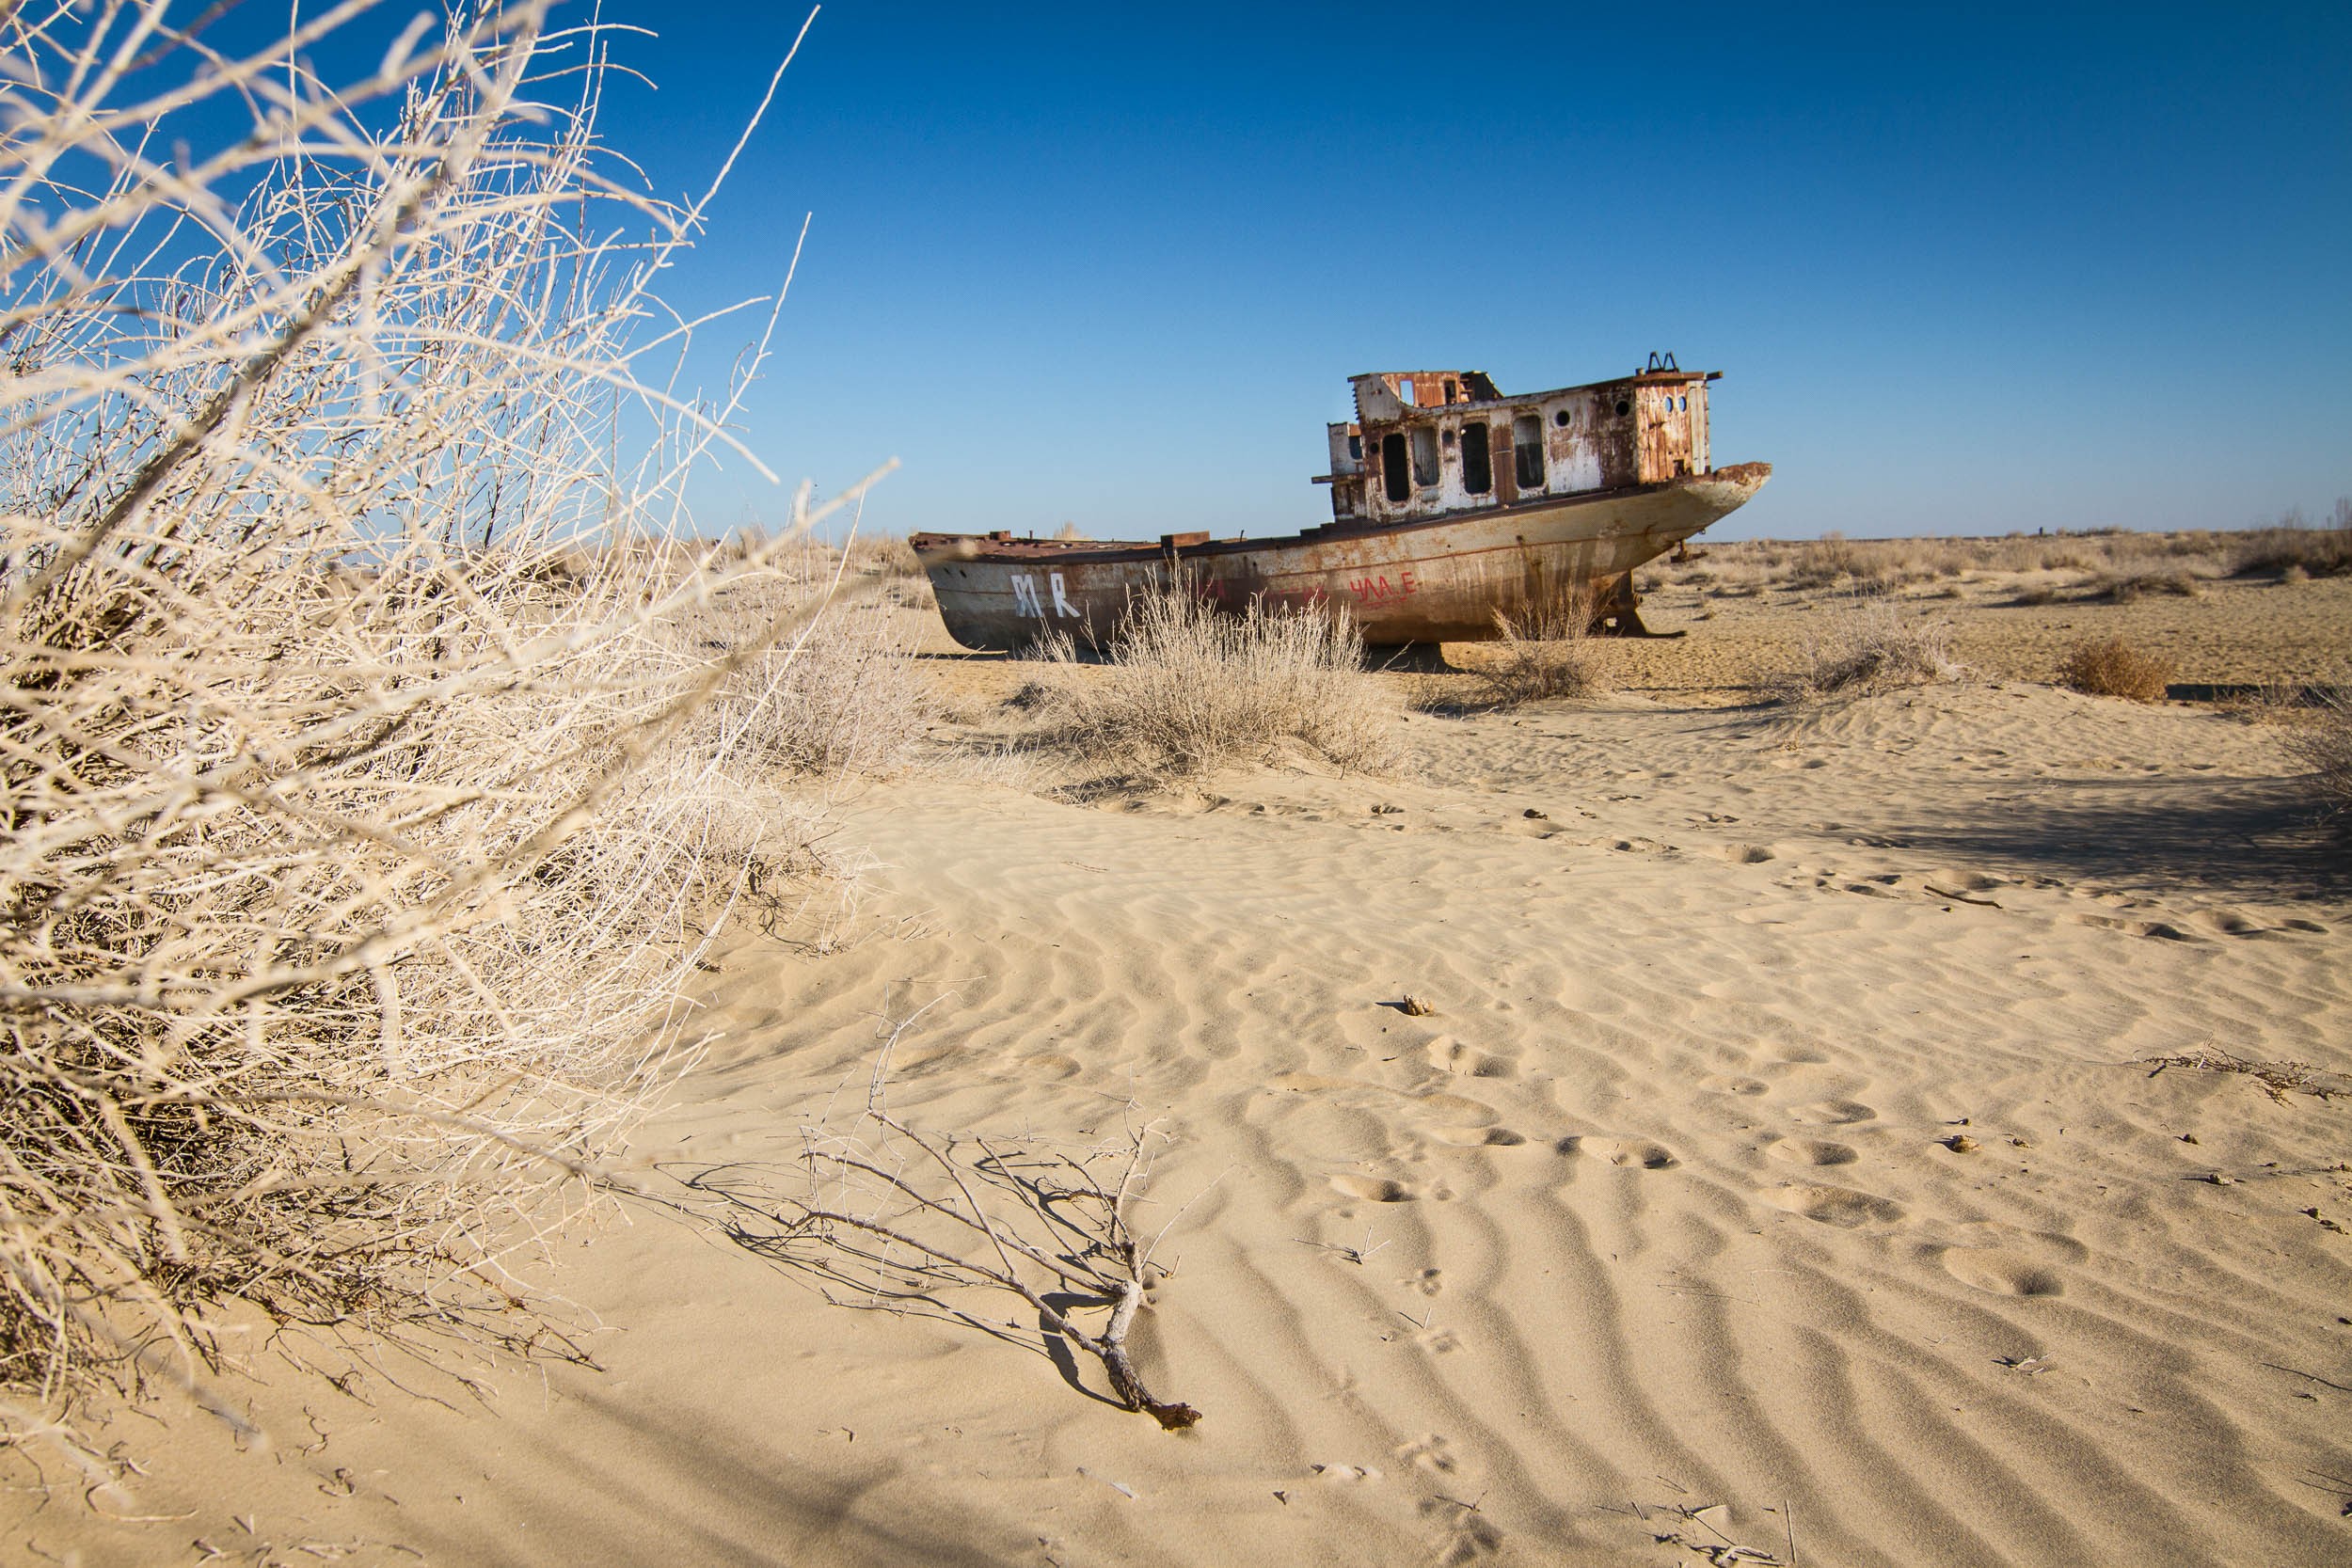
<point x="1450" y="501"/>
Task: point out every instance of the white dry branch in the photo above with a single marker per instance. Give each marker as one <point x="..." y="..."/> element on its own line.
<point x="890" y="1218"/>
<point x="367" y="799"/>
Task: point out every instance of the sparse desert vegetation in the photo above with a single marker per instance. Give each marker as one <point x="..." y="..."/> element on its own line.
<point x="1186" y="689"/>
<point x="2111" y="667"/>
<point x="1546" y="650"/>
<point x="1870" y="644"/>
<point x="2107" y="563"/>
<point x="2323" y="744"/>
<point x="2296" y="549"/>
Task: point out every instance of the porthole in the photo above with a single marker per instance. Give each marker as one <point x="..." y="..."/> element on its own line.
<point x="1447" y="437"/>
<point x="1623" y="408"/>
<point x="1561" y="419"/>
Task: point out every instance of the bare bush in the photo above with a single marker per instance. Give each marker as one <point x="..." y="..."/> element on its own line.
<point x="2125" y="586"/>
<point x="2111" y="667"/>
<point x="1869" y="645"/>
<point x="1548" y="650"/>
<point x="1823" y="562"/>
<point x="2295" y="546"/>
<point x="365" y="810"/>
<point x="884" y="555"/>
<point x="2151" y="561"/>
<point x="1188" y="688"/>
<point x="2324" y="745"/>
<point x="842" y="699"/>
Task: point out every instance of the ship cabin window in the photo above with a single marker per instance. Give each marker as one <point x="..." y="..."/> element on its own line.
<point x="1355" y="448"/>
<point x="1560" y="418"/>
<point x="1448" y="391"/>
<point x="1623" y="408"/>
<point x="1526" y="450"/>
<point x="1425" y="457"/>
<point x="1405" y="388"/>
<point x="1394" y="477"/>
<point x="1478" y="469"/>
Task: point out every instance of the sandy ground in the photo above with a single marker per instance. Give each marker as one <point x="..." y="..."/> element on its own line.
<point x="1649" y="1242"/>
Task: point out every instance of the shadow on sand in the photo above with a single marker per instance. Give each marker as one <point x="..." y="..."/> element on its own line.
<point x="2242" y="837"/>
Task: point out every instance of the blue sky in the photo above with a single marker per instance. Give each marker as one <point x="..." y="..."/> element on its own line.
<point x="1965" y="270"/>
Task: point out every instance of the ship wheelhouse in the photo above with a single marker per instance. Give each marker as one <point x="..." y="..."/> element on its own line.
<point x="1430" y="444"/>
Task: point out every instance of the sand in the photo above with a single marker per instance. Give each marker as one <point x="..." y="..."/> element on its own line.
<point x="1780" y="1164"/>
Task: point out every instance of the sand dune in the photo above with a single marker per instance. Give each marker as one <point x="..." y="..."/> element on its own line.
<point x="1778" y="1164"/>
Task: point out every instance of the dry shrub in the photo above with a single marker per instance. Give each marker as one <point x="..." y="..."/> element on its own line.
<point x="2124" y="588"/>
<point x="1870" y="645"/>
<point x="2293" y="545"/>
<point x="1186" y="687"/>
<point x="2324" y="745"/>
<point x="1823" y="562"/>
<point x="1548" y="650"/>
<point x="367" y="804"/>
<point x="1883" y="565"/>
<point x="844" y="698"/>
<point x="2111" y="667"/>
<point x="884" y="555"/>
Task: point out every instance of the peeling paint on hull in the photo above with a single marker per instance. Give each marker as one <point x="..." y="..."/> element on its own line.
<point x="1438" y="581"/>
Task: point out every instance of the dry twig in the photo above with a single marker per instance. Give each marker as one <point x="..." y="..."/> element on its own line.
<point x="2278" y="1079"/>
<point x="889" y="1218"/>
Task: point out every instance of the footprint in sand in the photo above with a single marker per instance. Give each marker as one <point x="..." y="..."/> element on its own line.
<point x="2156" y="929"/>
<point x="1428" y="1282"/>
<point x="2001" y="1272"/>
<point x="1373" y="1189"/>
<point x="1835" y="1206"/>
<point x="1469" y="1534"/>
<point x="1456" y="1108"/>
<point x="1479" y="1138"/>
<point x="1430" y="1451"/>
<point x="2048" y="1246"/>
<point x="1438" y="1341"/>
<point x="1812" y="1152"/>
<point x="1837" y="1113"/>
<point x="1747" y="854"/>
<point x="1048" y="1064"/>
<point x="1448" y="1054"/>
<point x="2233" y="923"/>
<point x="1312" y="1082"/>
<point x="1728" y="1083"/>
<point x="1638" y="1153"/>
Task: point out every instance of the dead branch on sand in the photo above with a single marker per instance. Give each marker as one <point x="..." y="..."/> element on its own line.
<point x="2277" y="1078"/>
<point x="892" y="1219"/>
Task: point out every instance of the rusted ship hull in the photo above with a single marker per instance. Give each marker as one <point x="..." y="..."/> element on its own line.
<point x="1438" y="581"/>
